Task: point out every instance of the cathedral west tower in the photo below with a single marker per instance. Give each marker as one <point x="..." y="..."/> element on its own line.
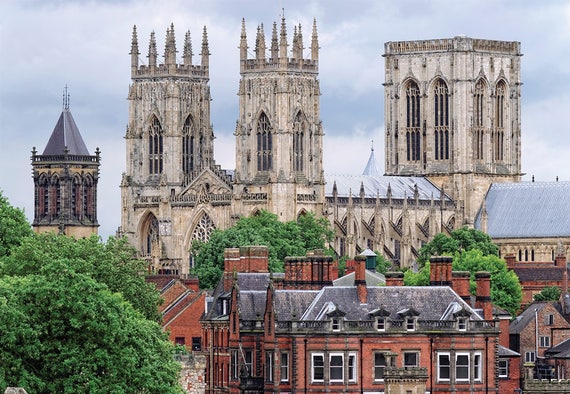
<point x="279" y="135"/>
<point x="452" y="113"/>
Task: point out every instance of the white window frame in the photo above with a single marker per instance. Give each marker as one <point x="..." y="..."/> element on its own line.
<point x="529" y="357"/>
<point x="269" y="366"/>
<point x="248" y="360"/>
<point x="544" y="341"/>
<point x="284" y="368"/>
<point x="466" y="367"/>
<point x="410" y="323"/>
<point x="503" y="368"/>
<point x="352" y="367"/>
<point x="336" y="367"/>
<point x="440" y="366"/>
<point x="314" y="357"/>
<point x="379" y="367"/>
<point x="462" y="324"/>
<point x="477" y="367"/>
<point x="336" y="324"/>
<point x="235" y="364"/>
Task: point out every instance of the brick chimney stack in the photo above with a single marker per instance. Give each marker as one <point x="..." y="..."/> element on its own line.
<point x="510" y="260"/>
<point x="461" y="285"/>
<point x="394" y="278"/>
<point x="360" y="279"/>
<point x="483" y="298"/>
<point x="440" y="271"/>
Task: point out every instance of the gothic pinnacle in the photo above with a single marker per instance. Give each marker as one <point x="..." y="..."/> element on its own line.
<point x="134" y="50"/>
<point x="170" y="47"/>
<point x="205" y="50"/>
<point x="187" y="53"/>
<point x="315" y="42"/>
<point x="274" y="43"/>
<point x="243" y="41"/>
<point x="283" y="39"/>
<point x="152" y="54"/>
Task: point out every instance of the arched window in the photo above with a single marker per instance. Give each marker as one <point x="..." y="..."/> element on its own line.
<point x="413" y="136"/>
<point x="89" y="205"/>
<point x="478" y="128"/>
<point x="441" y="120"/>
<point x="264" y="144"/>
<point x="152" y="236"/>
<point x="76" y="198"/>
<point x="42" y="204"/>
<point x="499" y="132"/>
<point x="298" y="142"/>
<point x="155" y="148"/>
<point x="203" y="229"/>
<point x="188" y="146"/>
<point x="55" y="197"/>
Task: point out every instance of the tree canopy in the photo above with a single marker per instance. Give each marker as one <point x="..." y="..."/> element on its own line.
<point x="549" y="293"/>
<point x="472" y="251"/>
<point x="76" y="316"/>
<point x="13" y="226"/>
<point x="283" y="239"/>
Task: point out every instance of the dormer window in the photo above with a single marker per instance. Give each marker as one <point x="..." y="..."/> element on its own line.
<point x="462" y="324"/>
<point x="336" y="324"/>
<point x="381" y="324"/>
<point x="410" y="323"/>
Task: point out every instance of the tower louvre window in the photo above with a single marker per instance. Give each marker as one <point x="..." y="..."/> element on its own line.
<point x="298" y="142"/>
<point x="155" y="148"/>
<point x="499" y="132"/>
<point x="188" y="146"/>
<point x="441" y="120"/>
<point x="478" y="110"/>
<point x="264" y="144"/>
<point x="413" y="133"/>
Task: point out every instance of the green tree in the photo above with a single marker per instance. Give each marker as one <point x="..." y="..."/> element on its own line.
<point x="549" y="293"/>
<point x="112" y="263"/>
<point x="64" y="332"/>
<point x="382" y="264"/>
<point x="14" y="226"/>
<point x="460" y="240"/>
<point x="292" y="238"/>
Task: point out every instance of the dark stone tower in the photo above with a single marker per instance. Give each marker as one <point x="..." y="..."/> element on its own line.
<point x="65" y="181"/>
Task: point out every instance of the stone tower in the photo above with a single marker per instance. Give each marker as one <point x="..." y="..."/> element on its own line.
<point x="452" y="113"/>
<point x="65" y="181"/>
<point x="279" y="135"/>
<point x="172" y="191"/>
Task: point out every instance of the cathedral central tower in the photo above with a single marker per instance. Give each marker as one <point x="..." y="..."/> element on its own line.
<point x="279" y="135"/>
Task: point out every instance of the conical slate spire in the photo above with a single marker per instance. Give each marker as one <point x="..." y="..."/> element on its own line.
<point x="65" y="137"/>
<point x="371" y="167"/>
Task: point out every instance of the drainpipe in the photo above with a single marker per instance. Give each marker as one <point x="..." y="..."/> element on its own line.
<point x="486" y="380"/>
<point x="431" y="365"/>
<point x="535" y="335"/>
<point x="360" y="367"/>
<point x="305" y="340"/>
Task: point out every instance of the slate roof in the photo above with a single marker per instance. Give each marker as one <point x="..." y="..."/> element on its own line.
<point x="372" y="279"/>
<point x="527" y="210"/>
<point x="505" y="352"/>
<point x="527" y="316"/>
<point x="537" y="273"/>
<point x="66" y="134"/>
<point x="401" y="186"/>
<point x="562" y="350"/>
<point x="432" y="302"/>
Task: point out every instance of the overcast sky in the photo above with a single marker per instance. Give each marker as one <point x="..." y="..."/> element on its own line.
<point x="45" y="45"/>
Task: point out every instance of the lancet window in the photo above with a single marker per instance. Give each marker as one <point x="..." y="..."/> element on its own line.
<point x="499" y="132"/>
<point x="264" y="144"/>
<point x="413" y="113"/>
<point x="478" y="129"/>
<point x="441" y="120"/>
<point x="155" y="148"/>
<point x="298" y="142"/>
<point x="188" y="146"/>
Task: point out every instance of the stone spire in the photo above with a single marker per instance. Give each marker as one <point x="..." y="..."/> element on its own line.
<point x="152" y="53"/>
<point x="298" y="43"/>
<point x="170" y="48"/>
<point x="243" y="42"/>
<point x="371" y="168"/>
<point x="205" y="50"/>
<point x="315" y="42"/>
<point x="274" y="43"/>
<point x="283" y="40"/>
<point x="134" y="50"/>
<point x="187" y="54"/>
<point x="260" y="43"/>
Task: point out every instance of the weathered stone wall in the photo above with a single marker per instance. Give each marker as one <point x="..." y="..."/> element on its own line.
<point x="193" y="374"/>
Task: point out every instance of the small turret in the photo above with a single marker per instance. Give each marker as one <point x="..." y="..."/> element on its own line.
<point x="170" y="49"/>
<point x="152" y="53"/>
<point x="134" y="51"/>
<point x="243" y="42"/>
<point x="315" y="43"/>
<point x="205" y="50"/>
<point x="298" y="43"/>
<point x="187" y="54"/>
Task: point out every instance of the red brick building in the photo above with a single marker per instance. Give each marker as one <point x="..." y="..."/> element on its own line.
<point x="181" y="310"/>
<point x="296" y="332"/>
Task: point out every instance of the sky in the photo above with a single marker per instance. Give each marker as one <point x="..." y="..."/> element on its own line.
<point x="46" y="45"/>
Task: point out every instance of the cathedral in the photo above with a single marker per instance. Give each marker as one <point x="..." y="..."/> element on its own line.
<point x="452" y="110"/>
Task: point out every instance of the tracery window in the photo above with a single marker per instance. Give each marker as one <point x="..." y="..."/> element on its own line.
<point x="441" y="120"/>
<point x="264" y="144"/>
<point x="42" y="205"/>
<point x="152" y="236"/>
<point x="298" y="142"/>
<point x="76" y="197"/>
<point x="478" y="129"/>
<point x="188" y="148"/>
<point x="499" y="132"/>
<point x="203" y="229"/>
<point x="413" y="136"/>
<point x="55" y="197"/>
<point x="88" y="203"/>
<point x="155" y="148"/>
